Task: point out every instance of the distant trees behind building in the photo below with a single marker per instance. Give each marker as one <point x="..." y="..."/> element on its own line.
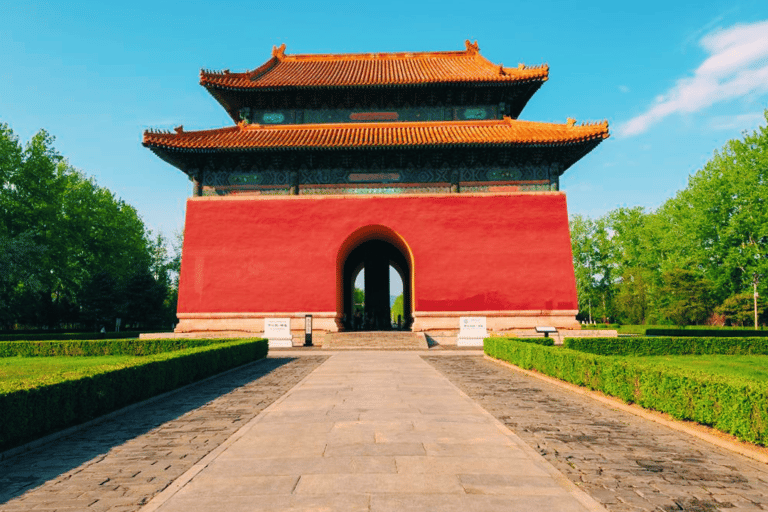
<point x="699" y="258"/>
<point x="72" y="255"/>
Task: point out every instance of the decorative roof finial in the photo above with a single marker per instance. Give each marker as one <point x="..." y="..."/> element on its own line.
<point x="179" y="129"/>
<point x="279" y="52"/>
<point x="571" y="122"/>
<point x="472" y="48"/>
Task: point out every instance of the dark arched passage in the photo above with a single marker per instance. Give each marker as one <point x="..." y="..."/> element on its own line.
<point x="374" y="248"/>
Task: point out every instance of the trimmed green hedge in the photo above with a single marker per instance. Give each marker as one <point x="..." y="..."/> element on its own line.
<point x="725" y="333"/>
<point x="539" y="340"/>
<point x="33" y="413"/>
<point x="739" y="407"/>
<point x="592" y="327"/>
<point x="659" y="346"/>
<point x="69" y="336"/>
<point x="111" y="347"/>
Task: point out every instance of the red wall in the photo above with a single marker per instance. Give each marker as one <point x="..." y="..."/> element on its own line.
<point x="470" y="252"/>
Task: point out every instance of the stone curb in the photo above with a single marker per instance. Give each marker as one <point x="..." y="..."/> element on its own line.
<point x="732" y="446"/>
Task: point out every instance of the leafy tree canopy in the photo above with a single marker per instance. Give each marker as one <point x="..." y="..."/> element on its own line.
<point x="65" y="239"/>
<point x="712" y="237"/>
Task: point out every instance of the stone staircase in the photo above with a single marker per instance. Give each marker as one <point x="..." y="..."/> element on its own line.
<point x="376" y="340"/>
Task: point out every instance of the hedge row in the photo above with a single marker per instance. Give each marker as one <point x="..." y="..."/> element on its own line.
<point x="33" y="413"/>
<point x="739" y="407"/>
<point x="69" y="336"/>
<point x="659" y="346"/>
<point x="539" y="340"/>
<point x="112" y="347"/>
<point x="725" y="333"/>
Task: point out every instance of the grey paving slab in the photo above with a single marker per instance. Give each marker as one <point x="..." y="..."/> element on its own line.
<point x="628" y="463"/>
<point x="470" y="503"/>
<point x="373" y="431"/>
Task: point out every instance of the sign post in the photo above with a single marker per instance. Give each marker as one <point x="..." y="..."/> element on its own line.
<point x="278" y="332"/>
<point x="472" y="331"/>
<point x="308" y="330"/>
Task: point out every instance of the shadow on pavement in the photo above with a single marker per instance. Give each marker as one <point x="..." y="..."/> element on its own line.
<point x="30" y="469"/>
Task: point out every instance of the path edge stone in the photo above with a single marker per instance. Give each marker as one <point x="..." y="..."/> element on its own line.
<point x="655" y="416"/>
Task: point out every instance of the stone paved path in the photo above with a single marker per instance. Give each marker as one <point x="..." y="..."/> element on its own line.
<point x="374" y="431"/>
<point x="119" y="464"/>
<point x="626" y="462"/>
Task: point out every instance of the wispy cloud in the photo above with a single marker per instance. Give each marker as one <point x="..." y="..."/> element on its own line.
<point x="737" y="66"/>
<point x="624" y="89"/>
<point x="736" y="122"/>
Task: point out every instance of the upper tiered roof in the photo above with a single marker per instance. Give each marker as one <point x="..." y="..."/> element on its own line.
<point x="373" y="69"/>
<point x="505" y="132"/>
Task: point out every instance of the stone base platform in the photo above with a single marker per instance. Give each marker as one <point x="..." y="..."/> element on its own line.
<point x="376" y="340"/>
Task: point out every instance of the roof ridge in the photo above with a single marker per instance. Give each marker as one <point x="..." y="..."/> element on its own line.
<point x="472" y="52"/>
<point x="180" y="132"/>
<point x="390" y="124"/>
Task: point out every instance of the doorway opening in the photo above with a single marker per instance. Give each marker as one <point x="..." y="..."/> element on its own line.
<point x="376" y="281"/>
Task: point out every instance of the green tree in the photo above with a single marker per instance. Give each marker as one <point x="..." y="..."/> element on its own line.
<point x="722" y="216"/>
<point x="144" y="296"/>
<point x="358" y="301"/>
<point x="632" y="297"/>
<point x="397" y="308"/>
<point x="20" y="278"/>
<point x="717" y="227"/>
<point x="687" y="297"/>
<point x="594" y="267"/>
<point x="739" y="310"/>
<point x="76" y="228"/>
<point x="99" y="301"/>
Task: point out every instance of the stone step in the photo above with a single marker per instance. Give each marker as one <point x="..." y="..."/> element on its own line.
<point x="376" y="340"/>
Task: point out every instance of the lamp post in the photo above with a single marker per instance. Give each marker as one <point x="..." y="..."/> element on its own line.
<point x="755" y="279"/>
<point x="307" y="330"/>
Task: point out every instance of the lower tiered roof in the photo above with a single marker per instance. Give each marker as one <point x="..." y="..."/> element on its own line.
<point x="254" y="137"/>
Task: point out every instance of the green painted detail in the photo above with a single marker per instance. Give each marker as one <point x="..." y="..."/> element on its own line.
<point x="376" y="190"/>
<point x="505" y="174"/>
<point x="475" y="113"/>
<point x="273" y="117"/>
<point x="245" y="179"/>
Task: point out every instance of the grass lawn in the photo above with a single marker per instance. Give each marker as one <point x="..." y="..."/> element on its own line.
<point x="753" y="368"/>
<point x="30" y="372"/>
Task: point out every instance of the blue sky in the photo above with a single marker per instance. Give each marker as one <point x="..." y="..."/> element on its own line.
<point x="675" y="80"/>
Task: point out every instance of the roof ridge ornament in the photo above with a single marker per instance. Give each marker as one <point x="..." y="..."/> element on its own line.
<point x="278" y="52"/>
<point x="472" y="48"/>
<point x="571" y="122"/>
<point x="179" y="129"/>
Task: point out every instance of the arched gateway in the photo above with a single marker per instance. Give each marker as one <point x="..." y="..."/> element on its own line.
<point x="373" y="248"/>
<point x="338" y="162"/>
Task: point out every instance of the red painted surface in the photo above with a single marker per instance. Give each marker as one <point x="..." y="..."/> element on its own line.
<point x="469" y="252"/>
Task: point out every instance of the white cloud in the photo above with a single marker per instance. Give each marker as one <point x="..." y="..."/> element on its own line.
<point x="624" y="88"/>
<point x="737" y="122"/>
<point x="737" y="66"/>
